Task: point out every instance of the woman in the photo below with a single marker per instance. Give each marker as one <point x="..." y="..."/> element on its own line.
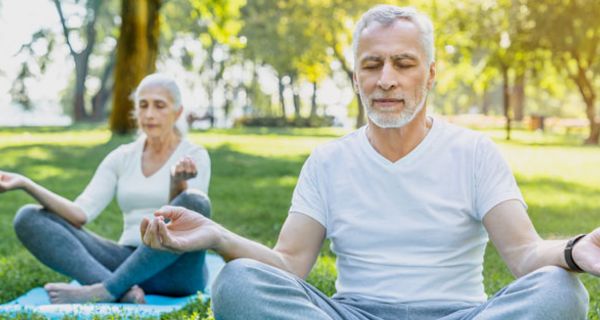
<point x="159" y="168"/>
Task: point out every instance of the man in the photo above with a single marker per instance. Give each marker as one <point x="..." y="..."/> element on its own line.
<point x="408" y="202"/>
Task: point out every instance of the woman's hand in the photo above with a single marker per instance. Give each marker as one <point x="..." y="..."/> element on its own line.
<point x="185" y="169"/>
<point x="11" y="181"/>
<point x="180" y="230"/>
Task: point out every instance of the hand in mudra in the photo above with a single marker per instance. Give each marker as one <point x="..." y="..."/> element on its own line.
<point x="179" y="229"/>
<point x="185" y="169"/>
<point x="10" y="181"/>
<point x="586" y="253"/>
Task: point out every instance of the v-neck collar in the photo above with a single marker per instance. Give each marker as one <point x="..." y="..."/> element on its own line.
<point x="411" y="157"/>
<point x="141" y="155"/>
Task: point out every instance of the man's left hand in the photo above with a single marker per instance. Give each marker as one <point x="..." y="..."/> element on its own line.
<point x="586" y="253"/>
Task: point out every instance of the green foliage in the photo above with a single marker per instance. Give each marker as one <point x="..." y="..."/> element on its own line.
<point x="253" y="175"/>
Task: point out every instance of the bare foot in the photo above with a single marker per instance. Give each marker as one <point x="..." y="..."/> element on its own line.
<point x="134" y="295"/>
<point x="68" y="293"/>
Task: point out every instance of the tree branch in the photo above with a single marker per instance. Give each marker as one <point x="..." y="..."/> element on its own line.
<point x="64" y="26"/>
<point x="91" y="27"/>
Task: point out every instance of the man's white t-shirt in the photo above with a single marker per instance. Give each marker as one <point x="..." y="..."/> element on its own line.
<point x="138" y="196"/>
<point x="408" y="231"/>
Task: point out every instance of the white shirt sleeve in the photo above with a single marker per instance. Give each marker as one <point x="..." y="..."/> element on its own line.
<point x="202" y="162"/>
<point x="308" y="197"/>
<point x="494" y="181"/>
<point x="101" y="189"/>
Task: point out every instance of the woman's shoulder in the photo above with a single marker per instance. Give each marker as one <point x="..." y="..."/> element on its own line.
<point x="194" y="150"/>
<point x="125" y="151"/>
<point x="190" y="146"/>
<point x="129" y="148"/>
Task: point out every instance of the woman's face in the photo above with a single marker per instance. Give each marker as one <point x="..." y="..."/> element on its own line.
<point x="156" y="111"/>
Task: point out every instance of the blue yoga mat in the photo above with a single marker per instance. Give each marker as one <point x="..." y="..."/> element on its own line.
<point x="36" y="300"/>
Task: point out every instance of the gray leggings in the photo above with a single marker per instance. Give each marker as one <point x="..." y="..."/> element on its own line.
<point x="89" y="258"/>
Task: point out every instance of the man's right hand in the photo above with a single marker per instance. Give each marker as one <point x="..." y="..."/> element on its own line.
<point x="11" y="181"/>
<point x="185" y="230"/>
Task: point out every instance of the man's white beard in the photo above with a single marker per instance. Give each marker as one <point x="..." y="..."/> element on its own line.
<point x="387" y="120"/>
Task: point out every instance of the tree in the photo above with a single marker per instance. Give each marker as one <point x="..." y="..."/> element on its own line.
<point x="137" y="50"/>
<point x="570" y="30"/>
<point x="85" y="25"/>
<point x="271" y="40"/>
<point x="280" y="35"/>
<point x="18" y="91"/>
<point x="332" y="24"/>
<point x="215" y="25"/>
<point x="81" y="58"/>
<point x="485" y="51"/>
<point x="43" y="38"/>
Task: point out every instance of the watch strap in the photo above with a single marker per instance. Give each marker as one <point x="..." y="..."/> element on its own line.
<point x="569" y="253"/>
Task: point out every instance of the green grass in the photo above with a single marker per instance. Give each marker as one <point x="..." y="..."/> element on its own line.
<point x="253" y="175"/>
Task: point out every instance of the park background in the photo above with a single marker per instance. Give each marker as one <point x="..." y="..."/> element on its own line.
<point x="265" y="81"/>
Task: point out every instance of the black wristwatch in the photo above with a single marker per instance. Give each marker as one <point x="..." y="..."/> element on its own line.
<point x="569" y="253"/>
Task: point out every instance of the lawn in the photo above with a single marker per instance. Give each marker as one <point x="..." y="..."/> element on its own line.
<point x="253" y="175"/>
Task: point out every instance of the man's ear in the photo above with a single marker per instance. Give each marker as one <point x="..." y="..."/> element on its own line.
<point x="179" y="112"/>
<point x="432" y="73"/>
<point x="354" y="82"/>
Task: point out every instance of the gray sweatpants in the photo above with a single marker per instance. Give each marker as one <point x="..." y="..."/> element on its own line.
<point x="89" y="258"/>
<point x="249" y="290"/>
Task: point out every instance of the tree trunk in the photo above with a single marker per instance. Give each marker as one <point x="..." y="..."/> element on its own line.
<point x="594" y="137"/>
<point x="506" y="100"/>
<point x="81" y="70"/>
<point x="211" y="85"/>
<point x="281" y="97"/>
<point x="485" y="107"/>
<point x="81" y="58"/>
<point x="137" y="49"/>
<point x="296" y="98"/>
<point x="313" y="101"/>
<point x="585" y="86"/>
<point x="518" y="97"/>
<point x="100" y="99"/>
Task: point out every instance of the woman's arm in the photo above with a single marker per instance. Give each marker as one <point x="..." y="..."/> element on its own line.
<point x="48" y="199"/>
<point x="184" y="170"/>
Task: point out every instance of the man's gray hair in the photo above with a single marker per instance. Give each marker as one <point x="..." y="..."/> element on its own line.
<point x="386" y="15"/>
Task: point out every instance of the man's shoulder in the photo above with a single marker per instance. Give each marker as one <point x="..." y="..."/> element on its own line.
<point x="337" y="147"/>
<point x="459" y="136"/>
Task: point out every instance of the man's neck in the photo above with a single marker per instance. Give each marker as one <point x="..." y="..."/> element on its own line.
<point x="395" y="143"/>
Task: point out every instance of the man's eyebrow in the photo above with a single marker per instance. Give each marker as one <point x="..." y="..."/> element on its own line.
<point x="371" y="58"/>
<point x="403" y="56"/>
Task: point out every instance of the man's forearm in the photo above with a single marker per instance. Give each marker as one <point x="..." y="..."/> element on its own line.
<point x="542" y="253"/>
<point x="232" y="246"/>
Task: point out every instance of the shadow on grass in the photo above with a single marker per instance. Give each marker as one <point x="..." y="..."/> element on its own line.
<point x="55" y="129"/>
<point x="251" y="194"/>
<point x="560" y="208"/>
<point x="326" y="132"/>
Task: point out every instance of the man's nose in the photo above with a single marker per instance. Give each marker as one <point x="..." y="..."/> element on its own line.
<point x="388" y="79"/>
